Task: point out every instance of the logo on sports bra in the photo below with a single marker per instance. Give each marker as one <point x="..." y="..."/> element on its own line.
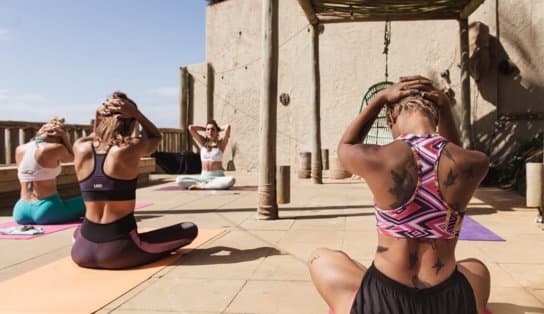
<point x="98" y="185"/>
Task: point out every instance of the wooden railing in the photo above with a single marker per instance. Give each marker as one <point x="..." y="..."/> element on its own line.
<point x="15" y="133"/>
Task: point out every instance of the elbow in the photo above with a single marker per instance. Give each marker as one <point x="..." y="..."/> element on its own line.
<point x="341" y="152"/>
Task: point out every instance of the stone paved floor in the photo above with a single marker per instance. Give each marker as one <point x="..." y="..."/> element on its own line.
<point x="259" y="266"/>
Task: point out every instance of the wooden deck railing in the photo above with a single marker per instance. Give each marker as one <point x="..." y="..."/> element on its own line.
<point x="14" y="133"/>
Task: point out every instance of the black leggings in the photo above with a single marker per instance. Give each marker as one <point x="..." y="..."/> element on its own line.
<point x="118" y="245"/>
<point x="381" y="294"/>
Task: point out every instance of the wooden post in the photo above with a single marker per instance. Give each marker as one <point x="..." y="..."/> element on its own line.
<point x="317" y="166"/>
<point x="183" y="107"/>
<point x="325" y="158"/>
<point x="209" y="92"/>
<point x="284" y="184"/>
<point x="465" y="127"/>
<point x="268" y="206"/>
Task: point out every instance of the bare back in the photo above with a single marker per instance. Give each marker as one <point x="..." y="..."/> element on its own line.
<point x="421" y="262"/>
<point x="120" y="163"/>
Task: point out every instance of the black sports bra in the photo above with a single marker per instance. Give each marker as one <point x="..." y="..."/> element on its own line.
<point x="100" y="187"/>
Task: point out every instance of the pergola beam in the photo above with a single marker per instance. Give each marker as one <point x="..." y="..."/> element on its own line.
<point x="309" y="11"/>
<point x="469" y="8"/>
<point x="336" y="19"/>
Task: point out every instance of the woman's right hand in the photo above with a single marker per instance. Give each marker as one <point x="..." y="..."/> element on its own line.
<point x="408" y="85"/>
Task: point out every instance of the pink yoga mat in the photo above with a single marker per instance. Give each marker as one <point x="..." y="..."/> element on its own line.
<point x="47" y="229"/>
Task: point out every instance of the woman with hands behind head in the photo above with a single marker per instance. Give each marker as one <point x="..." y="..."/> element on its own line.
<point x="106" y="165"/>
<point x="212" y="145"/>
<point x="422" y="183"/>
<point x="38" y="165"/>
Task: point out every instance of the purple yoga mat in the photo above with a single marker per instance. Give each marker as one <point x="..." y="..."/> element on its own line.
<point x="234" y="188"/>
<point x="474" y="231"/>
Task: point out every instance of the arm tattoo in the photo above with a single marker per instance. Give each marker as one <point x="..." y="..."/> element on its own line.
<point x="469" y="173"/>
<point x="412" y="259"/>
<point x="450" y="180"/>
<point x="449" y="155"/>
<point x="438" y="265"/>
<point x="381" y="249"/>
<point x="403" y="189"/>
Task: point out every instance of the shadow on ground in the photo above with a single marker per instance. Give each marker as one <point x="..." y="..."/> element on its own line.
<point x="226" y="255"/>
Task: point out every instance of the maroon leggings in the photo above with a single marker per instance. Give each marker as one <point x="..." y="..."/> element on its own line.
<point x="118" y="245"/>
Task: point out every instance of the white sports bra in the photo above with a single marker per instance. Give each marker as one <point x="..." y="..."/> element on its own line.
<point x="29" y="170"/>
<point x="214" y="154"/>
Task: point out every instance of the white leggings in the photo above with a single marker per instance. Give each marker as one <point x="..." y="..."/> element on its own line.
<point x="209" y="180"/>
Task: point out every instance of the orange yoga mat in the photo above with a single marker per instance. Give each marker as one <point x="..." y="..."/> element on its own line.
<point x="64" y="287"/>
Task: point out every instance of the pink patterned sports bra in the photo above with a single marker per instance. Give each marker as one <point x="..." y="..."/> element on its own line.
<point x="426" y="214"/>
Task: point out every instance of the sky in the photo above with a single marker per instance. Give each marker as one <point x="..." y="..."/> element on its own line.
<point x="64" y="57"/>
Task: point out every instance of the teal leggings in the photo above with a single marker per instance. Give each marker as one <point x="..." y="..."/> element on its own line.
<point x="49" y="210"/>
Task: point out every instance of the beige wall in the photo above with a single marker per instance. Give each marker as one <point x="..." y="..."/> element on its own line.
<point x="351" y="60"/>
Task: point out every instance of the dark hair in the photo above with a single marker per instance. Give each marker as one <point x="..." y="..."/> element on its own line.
<point x="215" y="125"/>
<point x="111" y="130"/>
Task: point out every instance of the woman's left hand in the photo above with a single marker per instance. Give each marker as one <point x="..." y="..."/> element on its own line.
<point x="435" y="95"/>
<point x="125" y="109"/>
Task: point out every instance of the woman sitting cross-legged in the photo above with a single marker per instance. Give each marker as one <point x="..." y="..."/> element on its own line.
<point x="106" y="164"/>
<point x="422" y="183"/>
<point x="38" y="165"/>
<point x="212" y="145"/>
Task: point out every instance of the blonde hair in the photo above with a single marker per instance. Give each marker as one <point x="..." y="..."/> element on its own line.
<point x="57" y="121"/>
<point x="111" y="130"/>
<point x="411" y="103"/>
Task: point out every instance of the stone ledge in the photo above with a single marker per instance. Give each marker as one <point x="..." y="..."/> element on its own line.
<point x="67" y="184"/>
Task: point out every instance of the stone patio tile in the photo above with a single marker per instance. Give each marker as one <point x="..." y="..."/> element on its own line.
<point x="527" y="274"/>
<point x="364" y="221"/>
<point x="185" y="295"/>
<point x="539" y="294"/>
<point x="282" y="267"/>
<point x="314" y="222"/>
<point x="514" y="301"/>
<point x="271" y="236"/>
<point x="255" y="224"/>
<point x="279" y="297"/>
<point x="519" y="249"/>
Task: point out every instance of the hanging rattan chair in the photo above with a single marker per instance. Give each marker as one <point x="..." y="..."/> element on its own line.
<point x="379" y="132"/>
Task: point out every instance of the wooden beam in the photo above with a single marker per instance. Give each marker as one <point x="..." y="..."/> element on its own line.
<point x="184" y="107"/>
<point x="309" y="11"/>
<point x="210" y="80"/>
<point x="469" y="8"/>
<point x="465" y="127"/>
<point x="268" y="206"/>
<point x="315" y="103"/>
<point x="330" y="19"/>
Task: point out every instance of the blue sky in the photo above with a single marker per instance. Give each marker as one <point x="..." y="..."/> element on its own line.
<point x="63" y="57"/>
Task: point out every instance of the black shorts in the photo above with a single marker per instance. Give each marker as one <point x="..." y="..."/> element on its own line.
<point x="380" y="294"/>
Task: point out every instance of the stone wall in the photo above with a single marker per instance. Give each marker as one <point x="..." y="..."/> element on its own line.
<point x="351" y="60"/>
